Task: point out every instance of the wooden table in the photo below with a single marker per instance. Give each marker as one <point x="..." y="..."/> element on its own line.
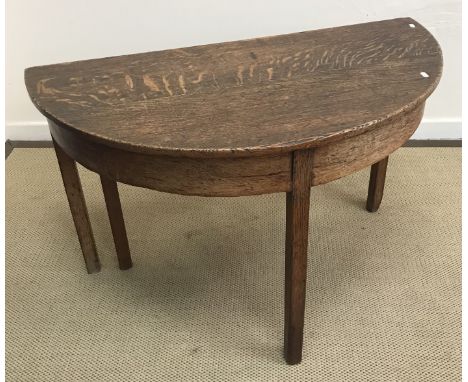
<point x="272" y="114"/>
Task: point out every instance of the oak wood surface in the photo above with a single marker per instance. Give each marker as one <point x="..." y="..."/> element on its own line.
<point x="238" y="176"/>
<point x="376" y="185"/>
<point x="344" y="157"/>
<point x="297" y="233"/>
<point x="187" y="176"/>
<point x="252" y="97"/>
<point x="76" y="201"/>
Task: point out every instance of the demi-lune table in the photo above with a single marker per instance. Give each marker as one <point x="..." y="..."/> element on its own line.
<point x="270" y="114"/>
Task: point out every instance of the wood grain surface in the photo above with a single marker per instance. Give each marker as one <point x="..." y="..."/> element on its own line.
<point x="117" y="223"/>
<point x="376" y="185"/>
<point x="186" y="176"/>
<point x="338" y="159"/>
<point x="252" y="97"/>
<point x="252" y="175"/>
<point x="79" y="211"/>
<point x="297" y="234"/>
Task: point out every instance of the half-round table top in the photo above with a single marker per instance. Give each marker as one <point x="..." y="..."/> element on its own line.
<point x="250" y="97"/>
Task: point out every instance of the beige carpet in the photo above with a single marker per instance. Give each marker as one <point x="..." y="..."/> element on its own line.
<point x="204" y="299"/>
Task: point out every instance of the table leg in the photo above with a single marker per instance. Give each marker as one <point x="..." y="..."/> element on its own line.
<point x="114" y="210"/>
<point x="376" y="185"/>
<point x="71" y="181"/>
<point x="297" y="229"/>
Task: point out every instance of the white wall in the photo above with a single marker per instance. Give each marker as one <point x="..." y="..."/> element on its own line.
<point x="50" y="31"/>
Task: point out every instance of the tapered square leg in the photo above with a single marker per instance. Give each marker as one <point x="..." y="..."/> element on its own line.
<point x="297" y="231"/>
<point x="376" y="185"/>
<point x="71" y="181"/>
<point x="114" y="210"/>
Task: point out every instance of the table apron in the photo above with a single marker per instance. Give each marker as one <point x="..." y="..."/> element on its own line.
<point x="237" y="176"/>
<point x="180" y="175"/>
<point x="338" y="159"/>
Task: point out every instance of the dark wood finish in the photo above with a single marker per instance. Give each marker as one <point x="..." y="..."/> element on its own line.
<point x="239" y="176"/>
<point x="187" y="176"/>
<point x="114" y="210"/>
<point x="243" y="98"/>
<point x="72" y="183"/>
<point x="342" y="158"/>
<point x="297" y="233"/>
<point x="272" y="114"/>
<point x="376" y="185"/>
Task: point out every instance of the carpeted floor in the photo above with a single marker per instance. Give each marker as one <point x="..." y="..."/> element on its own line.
<point x="204" y="299"/>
